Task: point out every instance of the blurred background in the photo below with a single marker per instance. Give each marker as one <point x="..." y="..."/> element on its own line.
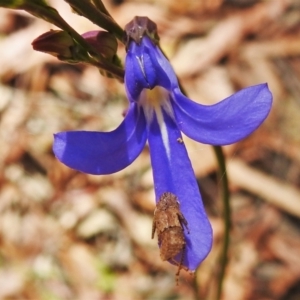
<point x="67" y="235"/>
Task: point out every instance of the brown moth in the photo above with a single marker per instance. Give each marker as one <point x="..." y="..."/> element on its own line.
<point x="168" y="222"/>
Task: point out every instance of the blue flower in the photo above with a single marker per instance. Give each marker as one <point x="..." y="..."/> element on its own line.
<point x="159" y="112"/>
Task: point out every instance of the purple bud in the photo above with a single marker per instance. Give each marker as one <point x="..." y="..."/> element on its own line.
<point x="138" y="28"/>
<point x="55" y="42"/>
<point x="103" y="41"/>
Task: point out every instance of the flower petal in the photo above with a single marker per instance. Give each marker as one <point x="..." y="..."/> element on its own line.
<point x="226" y="122"/>
<point x="103" y="152"/>
<point x="172" y="172"/>
<point x="148" y="65"/>
<point x="135" y="80"/>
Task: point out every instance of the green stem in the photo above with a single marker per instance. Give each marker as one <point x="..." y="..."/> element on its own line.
<point x="226" y="218"/>
<point x="100" y="6"/>
<point x="196" y="287"/>
<point x="98" y="17"/>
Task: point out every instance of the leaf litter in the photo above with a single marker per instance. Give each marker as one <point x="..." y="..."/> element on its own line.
<point x="52" y="245"/>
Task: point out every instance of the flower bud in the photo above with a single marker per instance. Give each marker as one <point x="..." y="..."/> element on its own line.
<point x="57" y="43"/>
<point x="139" y="27"/>
<point x="103" y="41"/>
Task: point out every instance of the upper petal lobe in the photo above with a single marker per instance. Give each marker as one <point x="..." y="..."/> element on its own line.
<point x="145" y="68"/>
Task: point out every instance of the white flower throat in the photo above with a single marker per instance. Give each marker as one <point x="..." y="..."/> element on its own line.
<point x="154" y="102"/>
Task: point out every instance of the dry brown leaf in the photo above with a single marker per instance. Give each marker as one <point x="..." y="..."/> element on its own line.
<point x="198" y="54"/>
<point x="270" y="189"/>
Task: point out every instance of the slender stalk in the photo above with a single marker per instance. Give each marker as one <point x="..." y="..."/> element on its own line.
<point x="226" y="219"/>
<point x="196" y="287"/>
<point x="100" y="6"/>
<point x="98" y="17"/>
